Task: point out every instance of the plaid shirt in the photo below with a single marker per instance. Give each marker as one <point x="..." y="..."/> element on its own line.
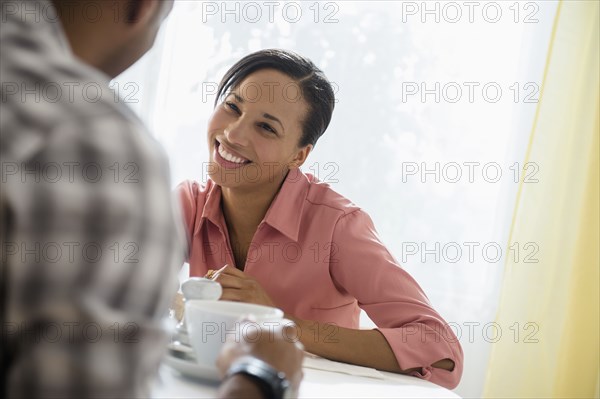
<point x="90" y="247"/>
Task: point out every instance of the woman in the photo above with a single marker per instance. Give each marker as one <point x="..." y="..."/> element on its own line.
<point x="290" y="241"/>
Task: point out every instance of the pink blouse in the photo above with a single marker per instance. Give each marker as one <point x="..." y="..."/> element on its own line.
<point x="318" y="256"/>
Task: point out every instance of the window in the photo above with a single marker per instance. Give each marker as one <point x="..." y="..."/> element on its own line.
<point x="435" y="102"/>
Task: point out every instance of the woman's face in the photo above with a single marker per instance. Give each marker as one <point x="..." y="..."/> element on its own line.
<point x="253" y="134"/>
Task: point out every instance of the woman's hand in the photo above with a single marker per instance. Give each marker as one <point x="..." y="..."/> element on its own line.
<point x="239" y="287"/>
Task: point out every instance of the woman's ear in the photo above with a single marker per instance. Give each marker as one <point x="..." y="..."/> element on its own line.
<point x="301" y="156"/>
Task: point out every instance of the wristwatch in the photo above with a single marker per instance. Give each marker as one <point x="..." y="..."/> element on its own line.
<point x="272" y="383"/>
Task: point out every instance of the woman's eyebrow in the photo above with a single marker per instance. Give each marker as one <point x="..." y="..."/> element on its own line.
<point x="271" y="117"/>
<point x="237" y="97"/>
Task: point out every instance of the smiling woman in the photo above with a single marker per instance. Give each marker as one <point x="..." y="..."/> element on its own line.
<point x="290" y="241"/>
<point x="256" y="133"/>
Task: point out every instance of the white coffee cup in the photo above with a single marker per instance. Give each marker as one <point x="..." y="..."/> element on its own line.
<point x="210" y="323"/>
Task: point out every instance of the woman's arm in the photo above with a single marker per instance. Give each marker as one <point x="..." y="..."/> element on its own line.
<point x="418" y="337"/>
<point x="363" y="347"/>
<point x="368" y="348"/>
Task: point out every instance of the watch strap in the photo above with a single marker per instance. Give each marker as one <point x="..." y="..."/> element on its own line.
<point x="273" y="383"/>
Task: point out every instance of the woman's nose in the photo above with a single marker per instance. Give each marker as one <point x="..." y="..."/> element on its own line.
<point x="237" y="132"/>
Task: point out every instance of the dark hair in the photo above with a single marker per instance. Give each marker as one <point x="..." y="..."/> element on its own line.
<point x="315" y="88"/>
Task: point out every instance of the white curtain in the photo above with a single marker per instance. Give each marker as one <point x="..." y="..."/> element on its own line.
<point x="434" y="100"/>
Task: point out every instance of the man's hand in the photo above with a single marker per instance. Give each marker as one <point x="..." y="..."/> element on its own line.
<point x="239" y="287"/>
<point x="273" y="347"/>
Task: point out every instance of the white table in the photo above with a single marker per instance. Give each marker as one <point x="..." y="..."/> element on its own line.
<point x="316" y="384"/>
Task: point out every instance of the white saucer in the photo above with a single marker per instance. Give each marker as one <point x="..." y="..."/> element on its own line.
<point x="192" y="369"/>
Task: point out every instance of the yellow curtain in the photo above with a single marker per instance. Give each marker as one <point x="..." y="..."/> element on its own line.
<point x="549" y="311"/>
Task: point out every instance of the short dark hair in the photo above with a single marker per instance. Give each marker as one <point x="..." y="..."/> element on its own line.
<point x="315" y="88"/>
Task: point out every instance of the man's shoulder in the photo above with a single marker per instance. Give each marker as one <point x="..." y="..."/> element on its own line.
<point x="100" y="129"/>
<point x="45" y="98"/>
<point x="35" y="126"/>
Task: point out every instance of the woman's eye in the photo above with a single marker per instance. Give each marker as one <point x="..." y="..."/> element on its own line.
<point x="267" y="127"/>
<point x="232" y="106"/>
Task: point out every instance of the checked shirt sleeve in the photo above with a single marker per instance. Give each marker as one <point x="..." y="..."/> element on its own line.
<point x="90" y="254"/>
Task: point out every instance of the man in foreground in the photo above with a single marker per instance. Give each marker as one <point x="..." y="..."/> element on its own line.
<point x="90" y="244"/>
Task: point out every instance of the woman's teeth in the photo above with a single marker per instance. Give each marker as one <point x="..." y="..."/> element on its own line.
<point x="230" y="157"/>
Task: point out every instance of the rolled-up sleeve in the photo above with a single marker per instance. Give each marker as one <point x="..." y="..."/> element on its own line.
<point x="363" y="267"/>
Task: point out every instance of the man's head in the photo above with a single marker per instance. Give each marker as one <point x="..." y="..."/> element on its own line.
<point x="111" y="35"/>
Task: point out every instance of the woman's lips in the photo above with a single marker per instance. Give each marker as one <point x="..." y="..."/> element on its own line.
<point x="223" y="162"/>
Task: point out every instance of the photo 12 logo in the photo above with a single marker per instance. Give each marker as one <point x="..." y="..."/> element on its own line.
<point x="70" y="332"/>
<point x="251" y="331"/>
<point x="469" y="92"/>
<point x="69" y="172"/>
<point x="469" y="331"/>
<point x="69" y="92"/>
<point x="469" y="172"/>
<point x="453" y="12"/>
<point x="69" y="252"/>
<point x="324" y="172"/>
<point x="269" y="11"/>
<point x="469" y="252"/>
<point x="252" y="92"/>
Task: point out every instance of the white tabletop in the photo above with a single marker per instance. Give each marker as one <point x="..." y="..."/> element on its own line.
<point x="316" y="384"/>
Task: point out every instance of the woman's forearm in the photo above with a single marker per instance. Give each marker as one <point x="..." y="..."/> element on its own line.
<point x="367" y="348"/>
<point x="363" y="347"/>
